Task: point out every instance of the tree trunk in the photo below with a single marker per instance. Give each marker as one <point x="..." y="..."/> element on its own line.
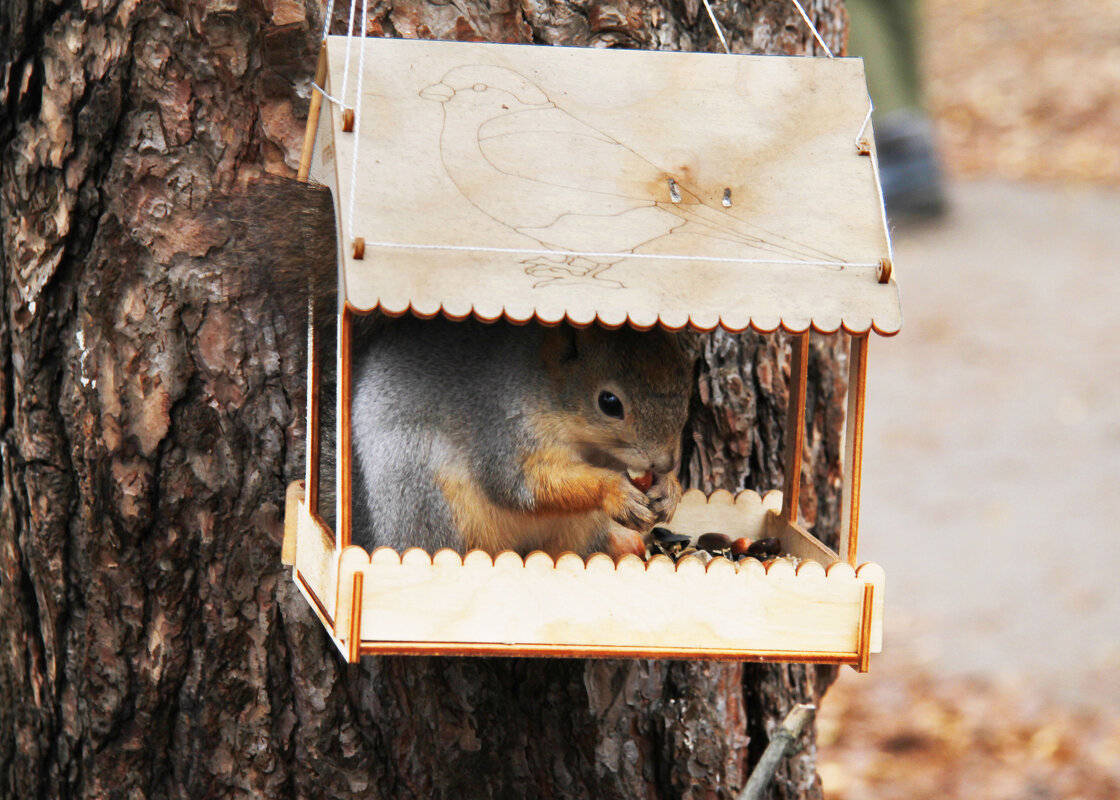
<point x="151" y="644"/>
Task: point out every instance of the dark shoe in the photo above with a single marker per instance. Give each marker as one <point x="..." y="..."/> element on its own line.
<point x="908" y="168"/>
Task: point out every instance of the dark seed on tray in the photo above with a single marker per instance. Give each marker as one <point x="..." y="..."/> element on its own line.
<point x="678" y="542"/>
<point x="663" y="534"/>
<point x="770" y="546"/>
<point x="667" y="542"/>
<point x="716" y="543"/>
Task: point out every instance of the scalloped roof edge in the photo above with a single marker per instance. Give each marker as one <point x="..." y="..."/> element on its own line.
<point x="704" y="326"/>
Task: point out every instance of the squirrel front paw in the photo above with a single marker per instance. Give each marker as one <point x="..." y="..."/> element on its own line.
<point x="664" y="495"/>
<point x="623" y="541"/>
<point x="629" y="506"/>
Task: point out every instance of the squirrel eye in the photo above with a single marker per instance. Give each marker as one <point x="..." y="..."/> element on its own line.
<point x="610" y="405"/>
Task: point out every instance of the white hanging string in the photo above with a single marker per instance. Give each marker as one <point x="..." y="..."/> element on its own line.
<point x="326" y="95"/>
<point x="800" y="9"/>
<point x="327" y="20"/>
<point x="863" y="127"/>
<point x="619" y="256"/>
<point x="326" y="32"/>
<point x="813" y="28"/>
<point x="346" y="62"/>
<point x="879" y="192"/>
<point x="341" y="99"/>
<point x="357" y="116"/>
<point x="715" y="24"/>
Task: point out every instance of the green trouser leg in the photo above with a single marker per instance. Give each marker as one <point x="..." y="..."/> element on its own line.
<point x="884" y="34"/>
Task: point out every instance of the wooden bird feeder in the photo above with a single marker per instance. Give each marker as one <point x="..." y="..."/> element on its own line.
<point x="603" y="187"/>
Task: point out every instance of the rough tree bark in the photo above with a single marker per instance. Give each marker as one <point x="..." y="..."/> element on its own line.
<point x="150" y="643"/>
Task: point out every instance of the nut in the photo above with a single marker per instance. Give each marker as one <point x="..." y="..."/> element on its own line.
<point x="643" y="480"/>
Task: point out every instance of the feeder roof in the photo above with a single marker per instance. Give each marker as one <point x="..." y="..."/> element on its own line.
<point x="606" y="185"/>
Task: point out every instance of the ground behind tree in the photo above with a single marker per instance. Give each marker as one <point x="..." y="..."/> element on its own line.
<point x="993" y="436"/>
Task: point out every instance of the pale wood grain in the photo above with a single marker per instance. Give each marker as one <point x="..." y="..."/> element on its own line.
<point x="447" y="559"/>
<point x="852" y="466"/>
<point x="794" y="437"/>
<point x="736" y="516"/>
<point x="315" y="563"/>
<point x="512" y="602"/>
<point x="354" y="635"/>
<point x="570" y="563"/>
<point x="443" y="603"/>
<point x="293" y="497"/>
<point x="576" y="162"/>
<point x="343" y="472"/>
<point x="539" y="561"/>
<point x="796" y="541"/>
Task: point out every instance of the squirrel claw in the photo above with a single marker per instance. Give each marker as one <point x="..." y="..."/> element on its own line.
<point x="632" y="508"/>
<point x="664" y="495"/>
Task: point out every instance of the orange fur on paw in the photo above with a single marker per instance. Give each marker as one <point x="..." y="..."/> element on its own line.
<point x="560" y="483"/>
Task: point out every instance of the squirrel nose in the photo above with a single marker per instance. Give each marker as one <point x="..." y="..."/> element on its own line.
<point x="664" y="463"/>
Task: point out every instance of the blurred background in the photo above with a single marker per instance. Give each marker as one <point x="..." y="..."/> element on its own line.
<point x="991" y="490"/>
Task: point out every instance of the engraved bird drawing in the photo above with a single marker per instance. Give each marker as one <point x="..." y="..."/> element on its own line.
<point x="532" y="166"/>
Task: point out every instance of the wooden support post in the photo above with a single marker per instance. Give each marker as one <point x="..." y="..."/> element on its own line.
<point x="354" y="644"/>
<point x="343" y="459"/>
<point x="313" y="117"/>
<point x="795" y="424"/>
<point x="863" y="642"/>
<point x="853" y="448"/>
<point x="296" y="493"/>
<point x="312" y="476"/>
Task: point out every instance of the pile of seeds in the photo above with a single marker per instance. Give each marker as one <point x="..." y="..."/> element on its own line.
<point x="711" y="545"/>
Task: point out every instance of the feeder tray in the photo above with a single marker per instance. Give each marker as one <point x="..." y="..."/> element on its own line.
<point x="603" y="187"/>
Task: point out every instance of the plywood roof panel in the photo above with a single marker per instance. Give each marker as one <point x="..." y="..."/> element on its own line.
<point x="554" y="183"/>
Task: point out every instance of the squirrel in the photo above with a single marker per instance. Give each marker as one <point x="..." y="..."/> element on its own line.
<point x="495" y="436"/>
<point x="486" y="435"/>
